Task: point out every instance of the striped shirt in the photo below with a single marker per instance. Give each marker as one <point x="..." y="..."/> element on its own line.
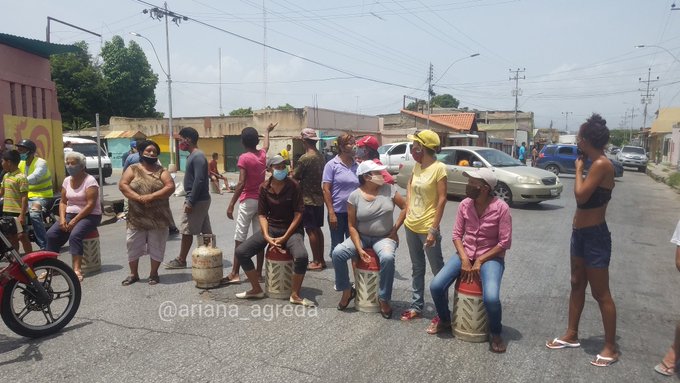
<point x="14" y="185"/>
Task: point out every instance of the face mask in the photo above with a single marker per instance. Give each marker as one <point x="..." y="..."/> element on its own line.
<point x="473" y="191"/>
<point x="184" y="146"/>
<point x="378" y="179"/>
<point x="23" y="156"/>
<point x="280" y="174"/>
<point x="361" y="152"/>
<point x="9" y="146"/>
<point x="148" y="160"/>
<point x="417" y="155"/>
<point x="73" y="170"/>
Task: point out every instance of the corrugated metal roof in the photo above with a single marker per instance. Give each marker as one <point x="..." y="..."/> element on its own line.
<point x="36" y="47"/>
<point x="125" y="134"/>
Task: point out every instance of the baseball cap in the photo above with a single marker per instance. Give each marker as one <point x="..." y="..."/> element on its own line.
<point x="483" y="174"/>
<point x="427" y="138"/>
<point x="309" y="134"/>
<point x="369" y="141"/>
<point x="277" y="159"/>
<point x="133" y="144"/>
<point x="368" y="166"/>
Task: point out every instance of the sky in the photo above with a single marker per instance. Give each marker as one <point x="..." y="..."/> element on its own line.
<point x="578" y="56"/>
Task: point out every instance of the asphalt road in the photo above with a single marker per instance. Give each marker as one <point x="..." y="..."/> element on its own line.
<point x="119" y="333"/>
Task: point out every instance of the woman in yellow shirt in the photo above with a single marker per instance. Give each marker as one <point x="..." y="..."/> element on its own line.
<point x="426" y="195"/>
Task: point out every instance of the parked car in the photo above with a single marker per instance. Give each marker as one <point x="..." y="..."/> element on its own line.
<point x="393" y="155"/>
<point x="517" y="183"/>
<point x="633" y="156"/>
<point x="561" y="158"/>
<point x="89" y="149"/>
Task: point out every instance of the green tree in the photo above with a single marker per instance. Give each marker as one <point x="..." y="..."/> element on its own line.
<point x="80" y="87"/>
<point x="444" y="101"/>
<point x="416" y="106"/>
<point x="129" y="80"/>
<point x="242" y="112"/>
<point x="619" y="137"/>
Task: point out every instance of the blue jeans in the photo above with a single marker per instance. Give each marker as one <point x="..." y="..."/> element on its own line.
<point x="491" y="273"/>
<point x="385" y="248"/>
<point x="340" y="232"/>
<point x="415" y="244"/>
<point x="37" y="222"/>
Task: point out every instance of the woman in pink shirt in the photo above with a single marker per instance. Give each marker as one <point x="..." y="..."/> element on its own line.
<point x="482" y="233"/>
<point x="251" y="167"/>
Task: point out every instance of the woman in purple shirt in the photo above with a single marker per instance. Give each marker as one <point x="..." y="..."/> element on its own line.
<point x="482" y="234"/>
<point x="338" y="181"/>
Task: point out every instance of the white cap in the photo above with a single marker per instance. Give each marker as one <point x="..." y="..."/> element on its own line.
<point x="368" y="166"/>
<point x="483" y="174"/>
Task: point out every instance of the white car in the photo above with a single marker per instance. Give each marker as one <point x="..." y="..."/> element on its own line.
<point x="395" y="154"/>
<point x="516" y="182"/>
<point x="633" y="156"/>
<point x="89" y="149"/>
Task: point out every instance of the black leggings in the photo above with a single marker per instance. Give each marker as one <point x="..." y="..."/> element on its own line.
<point x="256" y="243"/>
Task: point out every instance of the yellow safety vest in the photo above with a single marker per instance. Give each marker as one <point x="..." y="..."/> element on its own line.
<point x="43" y="189"/>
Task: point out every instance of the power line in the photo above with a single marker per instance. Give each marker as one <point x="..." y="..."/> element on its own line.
<point x="288" y="53"/>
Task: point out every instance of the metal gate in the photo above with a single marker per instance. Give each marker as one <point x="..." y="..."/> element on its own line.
<point x="232" y="149"/>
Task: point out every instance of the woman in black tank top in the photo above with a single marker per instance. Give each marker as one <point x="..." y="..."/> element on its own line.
<point x="591" y="241"/>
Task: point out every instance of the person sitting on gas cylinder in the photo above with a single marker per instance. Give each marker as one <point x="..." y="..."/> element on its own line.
<point x="280" y="207"/>
<point x="481" y="235"/>
<point x="370" y="211"/>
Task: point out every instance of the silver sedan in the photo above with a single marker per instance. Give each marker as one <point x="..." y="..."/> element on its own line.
<point x="517" y="183"/>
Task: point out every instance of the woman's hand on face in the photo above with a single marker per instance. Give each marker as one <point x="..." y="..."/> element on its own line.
<point x="364" y="256"/>
<point x="332" y="220"/>
<point x="579" y="163"/>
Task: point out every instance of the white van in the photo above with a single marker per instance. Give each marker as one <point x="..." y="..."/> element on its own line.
<point x="89" y="149"/>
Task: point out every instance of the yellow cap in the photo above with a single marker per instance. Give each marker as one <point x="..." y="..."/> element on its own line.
<point x="427" y="138"/>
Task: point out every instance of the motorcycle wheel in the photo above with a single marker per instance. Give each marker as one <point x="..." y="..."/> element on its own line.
<point x="25" y="316"/>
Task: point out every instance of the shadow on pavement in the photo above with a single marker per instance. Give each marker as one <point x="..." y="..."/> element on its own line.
<point x="172" y="279"/>
<point x="537" y="206"/>
<point x="593" y="345"/>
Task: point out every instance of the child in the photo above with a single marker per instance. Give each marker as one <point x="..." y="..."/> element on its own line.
<point x="15" y="192"/>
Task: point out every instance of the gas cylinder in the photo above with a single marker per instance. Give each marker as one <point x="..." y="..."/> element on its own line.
<point x="206" y="262"/>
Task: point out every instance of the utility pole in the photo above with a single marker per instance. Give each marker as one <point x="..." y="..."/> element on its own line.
<point x="515" y="93"/>
<point x="264" y="53"/>
<point x="219" y="52"/>
<point x="566" y="120"/>
<point x="632" y="116"/>
<point x="429" y="93"/>
<point x="157" y="14"/>
<point x="646" y="99"/>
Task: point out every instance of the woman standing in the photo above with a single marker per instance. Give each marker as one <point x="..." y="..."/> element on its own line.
<point x="370" y="211"/>
<point x="482" y="234"/>
<point x="338" y="181"/>
<point x="591" y="243"/>
<point x="426" y="196"/>
<point x="148" y="187"/>
<point x="80" y="210"/>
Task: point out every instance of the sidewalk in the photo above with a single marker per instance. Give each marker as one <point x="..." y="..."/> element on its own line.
<point x="666" y="174"/>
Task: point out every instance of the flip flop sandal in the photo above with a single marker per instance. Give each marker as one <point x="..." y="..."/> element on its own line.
<point x="129" y="280"/>
<point x="558" y="344"/>
<point x="316" y="266"/>
<point x="154" y="280"/>
<point x="664" y="369"/>
<point x="409" y="315"/>
<point x="603" y="361"/>
<point x="80" y="276"/>
<point x="304" y="302"/>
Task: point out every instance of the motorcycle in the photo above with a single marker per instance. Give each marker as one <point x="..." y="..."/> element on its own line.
<point x="39" y="294"/>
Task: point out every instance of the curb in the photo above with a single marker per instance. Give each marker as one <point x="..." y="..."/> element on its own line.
<point x="663" y="177"/>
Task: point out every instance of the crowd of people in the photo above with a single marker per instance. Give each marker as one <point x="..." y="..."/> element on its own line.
<point x="360" y="199"/>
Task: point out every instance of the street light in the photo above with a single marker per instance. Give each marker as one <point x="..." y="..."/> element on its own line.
<point x="430" y="92"/>
<point x="660" y="47"/>
<point x="171" y="139"/>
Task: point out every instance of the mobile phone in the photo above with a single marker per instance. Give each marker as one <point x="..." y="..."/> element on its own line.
<point x="579" y="152"/>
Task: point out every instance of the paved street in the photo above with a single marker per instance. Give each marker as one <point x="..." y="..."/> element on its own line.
<point x="118" y="334"/>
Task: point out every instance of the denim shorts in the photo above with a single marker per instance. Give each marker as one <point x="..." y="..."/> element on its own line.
<point x="593" y="244"/>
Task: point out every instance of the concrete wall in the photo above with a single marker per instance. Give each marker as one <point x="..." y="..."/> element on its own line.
<point x="28" y="106"/>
